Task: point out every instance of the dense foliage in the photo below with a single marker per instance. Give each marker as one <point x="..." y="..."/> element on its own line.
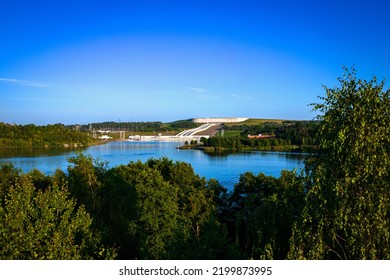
<point x="32" y="135"/>
<point x="284" y="136"/>
<point x="155" y="210"/>
<point x="43" y="223"/>
<point x="261" y="213"/>
<point x="293" y="132"/>
<point x="347" y="209"/>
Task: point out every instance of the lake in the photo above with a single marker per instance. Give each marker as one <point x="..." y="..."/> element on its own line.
<point x="226" y="169"/>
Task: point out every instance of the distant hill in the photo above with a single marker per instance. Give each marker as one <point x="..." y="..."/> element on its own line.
<point x="252" y="121"/>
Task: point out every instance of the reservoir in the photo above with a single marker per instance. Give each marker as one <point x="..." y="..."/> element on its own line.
<point x="226" y="169"/>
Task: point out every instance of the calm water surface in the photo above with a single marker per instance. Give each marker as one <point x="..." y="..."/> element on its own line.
<point x="226" y="169"/>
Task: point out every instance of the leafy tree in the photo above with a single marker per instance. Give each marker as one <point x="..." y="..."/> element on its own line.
<point x="138" y="208"/>
<point x="195" y="206"/>
<point x="8" y="177"/>
<point x="45" y="225"/>
<point x="219" y="195"/>
<point x="264" y="210"/>
<point x="155" y="210"/>
<point x="84" y="183"/>
<point x="40" y="180"/>
<point x="347" y="211"/>
<point x="155" y="221"/>
<point x="119" y="201"/>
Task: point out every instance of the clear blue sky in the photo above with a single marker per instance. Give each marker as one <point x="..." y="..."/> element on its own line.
<point x="90" y="61"/>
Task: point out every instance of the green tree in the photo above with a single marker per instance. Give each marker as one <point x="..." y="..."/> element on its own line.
<point x="84" y="183"/>
<point x="264" y="210"/>
<point x="157" y="210"/>
<point x="347" y="209"/>
<point x="40" y="180"/>
<point x="8" y="177"/>
<point x="119" y="201"/>
<point x="45" y="224"/>
<point x="146" y="226"/>
<point x="194" y="202"/>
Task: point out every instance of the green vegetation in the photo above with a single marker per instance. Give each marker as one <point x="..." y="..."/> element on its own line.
<point x="283" y="136"/>
<point x="255" y="122"/>
<point x="43" y="223"/>
<point x="80" y="135"/>
<point x="261" y="211"/>
<point x="155" y="210"/>
<point x="338" y="207"/>
<point x="347" y="210"/>
<point x="181" y="124"/>
<point x="32" y="135"/>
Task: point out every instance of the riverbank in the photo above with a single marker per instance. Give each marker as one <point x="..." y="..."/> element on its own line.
<point x="47" y="146"/>
<point x="222" y="150"/>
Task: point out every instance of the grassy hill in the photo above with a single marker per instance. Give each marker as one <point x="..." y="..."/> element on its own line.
<point x="251" y="122"/>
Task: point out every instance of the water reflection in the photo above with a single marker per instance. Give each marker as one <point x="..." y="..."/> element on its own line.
<point x="36" y="151"/>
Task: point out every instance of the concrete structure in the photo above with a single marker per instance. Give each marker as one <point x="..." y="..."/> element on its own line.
<point x="192" y="132"/>
<point x="218" y="120"/>
<point x="186" y="135"/>
<point x="189" y="134"/>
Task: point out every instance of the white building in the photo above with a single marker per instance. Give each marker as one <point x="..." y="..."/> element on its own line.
<point x="105" y="137"/>
<point x="218" y="120"/>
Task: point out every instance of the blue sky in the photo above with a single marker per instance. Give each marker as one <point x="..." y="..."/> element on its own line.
<point x="92" y="61"/>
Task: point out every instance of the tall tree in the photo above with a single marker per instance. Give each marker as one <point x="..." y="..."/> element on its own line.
<point x="155" y="220"/>
<point x="36" y="224"/>
<point x="84" y="183"/>
<point x="195" y="209"/>
<point x="347" y="209"/>
<point x="264" y="211"/>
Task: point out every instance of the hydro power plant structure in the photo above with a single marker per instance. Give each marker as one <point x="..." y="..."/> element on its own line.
<point x="194" y="134"/>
